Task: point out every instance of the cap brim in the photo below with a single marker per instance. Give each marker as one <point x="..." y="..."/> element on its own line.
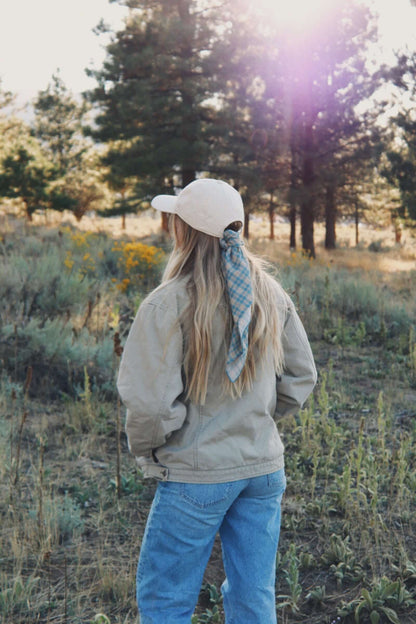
<point x="165" y="203"/>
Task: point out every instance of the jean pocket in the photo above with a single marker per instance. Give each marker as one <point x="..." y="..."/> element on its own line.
<point x="276" y="481"/>
<point x="205" y="494"/>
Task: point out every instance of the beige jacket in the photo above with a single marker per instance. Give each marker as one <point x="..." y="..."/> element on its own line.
<point x="225" y="439"/>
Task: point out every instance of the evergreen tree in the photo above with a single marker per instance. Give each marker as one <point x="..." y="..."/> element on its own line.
<point x="26" y="175"/>
<point x="58" y="125"/>
<point x="154" y="95"/>
<point x="247" y="122"/>
<point x="320" y="78"/>
<point x="349" y="150"/>
<point x="13" y="130"/>
<point x="191" y="87"/>
<point x="401" y="167"/>
<point x="6" y="122"/>
<point x="124" y="201"/>
<point x="236" y="139"/>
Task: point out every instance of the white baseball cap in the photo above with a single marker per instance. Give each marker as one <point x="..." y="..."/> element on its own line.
<point x="207" y="205"/>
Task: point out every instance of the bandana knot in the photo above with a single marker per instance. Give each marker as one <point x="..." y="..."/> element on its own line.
<point x="238" y="279"/>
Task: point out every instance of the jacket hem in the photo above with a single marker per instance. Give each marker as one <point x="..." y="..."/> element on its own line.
<point x="221" y="475"/>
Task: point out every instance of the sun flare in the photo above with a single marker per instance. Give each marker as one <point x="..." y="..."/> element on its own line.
<point x="296" y="15"/>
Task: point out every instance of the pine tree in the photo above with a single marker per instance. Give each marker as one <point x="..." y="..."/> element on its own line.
<point x="248" y="122"/>
<point x="58" y="125"/>
<point x="320" y="78"/>
<point x="13" y="130"/>
<point x="401" y="167"/>
<point x="154" y="95"/>
<point x="25" y="175"/>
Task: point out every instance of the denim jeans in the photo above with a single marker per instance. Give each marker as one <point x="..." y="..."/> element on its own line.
<point x="179" y="536"/>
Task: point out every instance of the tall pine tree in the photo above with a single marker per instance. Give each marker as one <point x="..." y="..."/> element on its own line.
<point x="401" y="167"/>
<point x="155" y="93"/>
<point x="59" y="126"/>
<point x="319" y="77"/>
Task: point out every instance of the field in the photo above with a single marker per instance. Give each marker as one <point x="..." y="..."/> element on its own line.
<point x="73" y="504"/>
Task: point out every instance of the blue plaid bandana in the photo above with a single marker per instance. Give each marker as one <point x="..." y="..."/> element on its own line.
<point x="237" y="276"/>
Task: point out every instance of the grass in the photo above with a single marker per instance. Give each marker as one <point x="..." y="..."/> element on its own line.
<point x="73" y="504"/>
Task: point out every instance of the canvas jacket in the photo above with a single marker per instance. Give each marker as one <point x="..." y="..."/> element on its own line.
<point x="225" y="439"/>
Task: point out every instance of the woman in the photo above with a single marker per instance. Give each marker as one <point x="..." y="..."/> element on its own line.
<point x="215" y="355"/>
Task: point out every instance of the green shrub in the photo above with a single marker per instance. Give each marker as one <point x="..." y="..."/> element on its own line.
<point x="56" y="298"/>
<point x="57" y="354"/>
<point x="61" y="519"/>
<point x="334" y="301"/>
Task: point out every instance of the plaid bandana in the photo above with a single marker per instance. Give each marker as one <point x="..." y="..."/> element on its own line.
<point x="237" y="276"/>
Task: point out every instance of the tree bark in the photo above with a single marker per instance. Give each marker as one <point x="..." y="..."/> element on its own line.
<point x="271" y="217"/>
<point x="246" y="230"/>
<point x="188" y="176"/>
<point x="292" y="220"/>
<point x="307" y="227"/>
<point x="292" y="200"/>
<point x="165" y="222"/>
<point x="357" y="223"/>
<point x="307" y="209"/>
<point x="28" y="211"/>
<point x="330" y="217"/>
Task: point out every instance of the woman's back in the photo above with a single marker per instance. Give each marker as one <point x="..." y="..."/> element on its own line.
<point x="227" y="437"/>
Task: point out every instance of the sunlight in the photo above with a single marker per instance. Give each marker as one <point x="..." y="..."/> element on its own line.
<point x="296" y="15"/>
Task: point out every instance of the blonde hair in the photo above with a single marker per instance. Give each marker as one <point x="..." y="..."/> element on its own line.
<point x="198" y="256"/>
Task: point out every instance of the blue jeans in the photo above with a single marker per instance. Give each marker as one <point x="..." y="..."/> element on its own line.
<point x="179" y="537"/>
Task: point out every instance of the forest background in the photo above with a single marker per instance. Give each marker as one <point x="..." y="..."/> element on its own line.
<point x="317" y="134"/>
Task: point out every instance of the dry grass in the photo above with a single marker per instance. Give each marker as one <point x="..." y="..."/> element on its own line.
<point x="393" y="258"/>
<point x="69" y="543"/>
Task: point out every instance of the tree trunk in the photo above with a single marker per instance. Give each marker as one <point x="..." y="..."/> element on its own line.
<point x="397" y="231"/>
<point x="330" y="217"/>
<point x="165" y="222"/>
<point x="307" y="209"/>
<point x="29" y="212"/>
<point x="271" y="217"/>
<point x="246" y="232"/>
<point x="357" y="222"/>
<point x="292" y="191"/>
<point x="188" y="176"/>
<point x="307" y="226"/>
<point x="292" y="219"/>
<point x="123" y="216"/>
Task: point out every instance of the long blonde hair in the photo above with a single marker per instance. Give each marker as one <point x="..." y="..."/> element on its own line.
<point x="198" y="256"/>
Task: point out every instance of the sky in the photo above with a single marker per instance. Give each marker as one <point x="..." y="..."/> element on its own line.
<point x="397" y="24"/>
<point x="39" y="36"/>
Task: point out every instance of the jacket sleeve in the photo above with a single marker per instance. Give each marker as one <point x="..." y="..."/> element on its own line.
<point x="150" y="379"/>
<point x="299" y="373"/>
